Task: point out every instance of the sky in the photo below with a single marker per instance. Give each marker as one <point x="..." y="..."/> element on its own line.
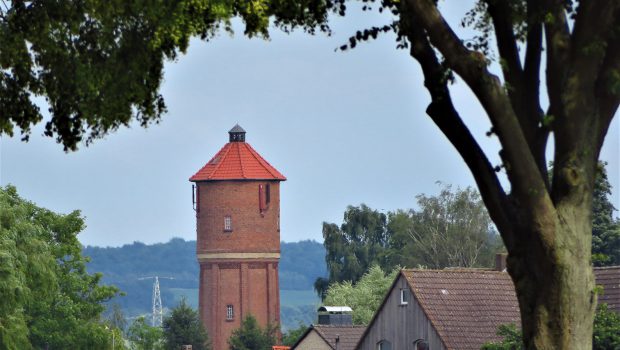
<point x="345" y="128"/>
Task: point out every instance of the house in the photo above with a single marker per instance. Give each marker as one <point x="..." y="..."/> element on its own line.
<point x="456" y="309"/>
<point x="442" y="309"/>
<point x="609" y="279"/>
<point x="329" y="337"/>
<point x="335" y="331"/>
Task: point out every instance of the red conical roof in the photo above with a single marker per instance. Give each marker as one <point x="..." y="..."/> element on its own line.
<point x="237" y="161"/>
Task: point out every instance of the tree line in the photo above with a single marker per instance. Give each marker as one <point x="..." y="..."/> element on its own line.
<point x="451" y="229"/>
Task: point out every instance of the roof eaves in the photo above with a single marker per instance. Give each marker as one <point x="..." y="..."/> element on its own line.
<point x="270" y="168"/>
<point x="214" y="169"/>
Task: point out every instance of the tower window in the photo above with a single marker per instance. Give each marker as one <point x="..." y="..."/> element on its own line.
<point x="267" y="194"/>
<point x="227" y="223"/>
<point x="230" y="313"/>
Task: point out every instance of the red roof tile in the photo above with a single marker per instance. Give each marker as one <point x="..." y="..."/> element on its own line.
<point x="609" y="278"/>
<point x="237" y="161"/>
<point x="465" y="305"/>
<point x="348" y="335"/>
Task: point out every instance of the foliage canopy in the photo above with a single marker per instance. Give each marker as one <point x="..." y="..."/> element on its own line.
<point x="48" y="298"/>
<point x="365" y="296"/>
<point x="251" y="336"/>
<point x="451" y="229"/>
<point x="183" y="327"/>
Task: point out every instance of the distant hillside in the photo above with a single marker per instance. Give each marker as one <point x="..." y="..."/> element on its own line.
<point x="300" y="264"/>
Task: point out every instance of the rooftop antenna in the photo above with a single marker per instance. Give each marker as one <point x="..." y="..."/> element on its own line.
<point x="158" y="312"/>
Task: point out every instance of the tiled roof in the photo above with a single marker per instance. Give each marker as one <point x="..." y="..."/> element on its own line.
<point x="609" y="278"/>
<point x="237" y="161"/>
<point x="348" y="335"/>
<point x="465" y="305"/>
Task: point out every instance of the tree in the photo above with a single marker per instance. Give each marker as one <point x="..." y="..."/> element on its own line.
<point x="545" y="224"/>
<point x="513" y="339"/>
<point x="145" y="337"/>
<point x="48" y="298"/>
<point x="183" y="327"/>
<point x="99" y="64"/>
<point x="250" y="336"/>
<point x="291" y="337"/>
<point x="117" y="319"/>
<point x="452" y="229"/>
<point x="359" y="243"/>
<point x="365" y="296"/>
<point x="606" y="333"/>
<point x="605" y="229"/>
<point x="606" y="329"/>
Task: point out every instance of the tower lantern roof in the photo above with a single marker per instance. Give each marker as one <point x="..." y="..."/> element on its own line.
<point x="236" y="134"/>
<point x="237" y="160"/>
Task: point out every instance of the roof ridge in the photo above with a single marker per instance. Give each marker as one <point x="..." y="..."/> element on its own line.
<point x="459" y="270"/>
<point x="224" y="149"/>
<point x="240" y="160"/>
<point x="261" y="160"/>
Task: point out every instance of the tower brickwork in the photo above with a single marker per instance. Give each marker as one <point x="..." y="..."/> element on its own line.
<point x="238" y="239"/>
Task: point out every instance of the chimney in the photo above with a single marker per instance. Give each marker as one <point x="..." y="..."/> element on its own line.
<point x="500" y="262"/>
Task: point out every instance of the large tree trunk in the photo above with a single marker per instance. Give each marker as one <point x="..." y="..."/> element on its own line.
<point x="555" y="285"/>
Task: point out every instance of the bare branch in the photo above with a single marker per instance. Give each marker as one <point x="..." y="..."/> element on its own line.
<point x="501" y="14"/>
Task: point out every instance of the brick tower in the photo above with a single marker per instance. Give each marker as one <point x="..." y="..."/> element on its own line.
<point x="238" y="243"/>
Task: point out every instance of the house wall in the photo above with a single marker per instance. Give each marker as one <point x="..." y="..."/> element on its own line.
<point x="312" y="341"/>
<point x="400" y="324"/>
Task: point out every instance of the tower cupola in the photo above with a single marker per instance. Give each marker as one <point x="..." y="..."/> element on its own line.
<point x="236" y="134"/>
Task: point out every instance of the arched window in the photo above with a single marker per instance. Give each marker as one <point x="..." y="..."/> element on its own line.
<point x="420" y="344"/>
<point x="384" y="345"/>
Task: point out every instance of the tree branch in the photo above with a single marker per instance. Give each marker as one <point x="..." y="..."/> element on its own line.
<point x="608" y="84"/>
<point x="531" y="86"/>
<point x="522" y="86"/>
<point x="528" y="187"/>
<point x="442" y="112"/>
<point x="557" y="37"/>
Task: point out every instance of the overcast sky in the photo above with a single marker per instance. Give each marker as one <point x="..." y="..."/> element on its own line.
<point x="344" y="127"/>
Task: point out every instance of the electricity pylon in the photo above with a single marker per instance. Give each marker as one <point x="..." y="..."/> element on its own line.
<point x="158" y="311"/>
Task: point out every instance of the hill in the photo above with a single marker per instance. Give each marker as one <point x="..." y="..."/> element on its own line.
<point x="175" y="263"/>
